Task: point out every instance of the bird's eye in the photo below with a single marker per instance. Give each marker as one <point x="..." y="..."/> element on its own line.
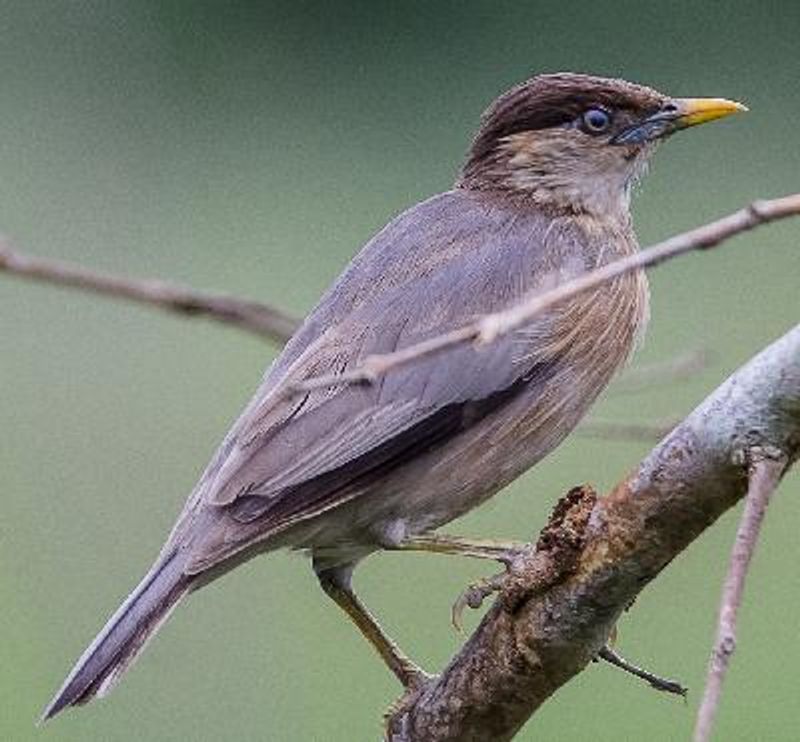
<point x="596" y="121"/>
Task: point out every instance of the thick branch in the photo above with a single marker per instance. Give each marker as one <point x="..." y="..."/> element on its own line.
<point x="766" y="470"/>
<point x="562" y="599"/>
<point x="491" y="326"/>
<point x="253" y="316"/>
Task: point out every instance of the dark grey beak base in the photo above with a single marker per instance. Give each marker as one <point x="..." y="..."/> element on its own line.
<point x="675" y="114"/>
<point x="659" y="125"/>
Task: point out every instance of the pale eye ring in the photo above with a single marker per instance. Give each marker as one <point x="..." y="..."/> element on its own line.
<point x="596" y="121"/>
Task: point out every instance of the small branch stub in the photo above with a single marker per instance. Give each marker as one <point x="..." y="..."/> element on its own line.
<point x="654" y="681"/>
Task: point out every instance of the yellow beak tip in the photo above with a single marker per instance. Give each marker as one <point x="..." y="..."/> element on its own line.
<point x="701" y="110"/>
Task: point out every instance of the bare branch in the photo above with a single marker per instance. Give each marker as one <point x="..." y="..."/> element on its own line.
<point x="272" y="323"/>
<point x="261" y="319"/>
<point x="609" y="430"/>
<point x="562" y="599"/>
<point x="492" y="326"/>
<point x="644" y="378"/>
<point x="765" y="472"/>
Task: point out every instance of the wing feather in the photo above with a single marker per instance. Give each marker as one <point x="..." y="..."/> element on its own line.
<point x="431" y="270"/>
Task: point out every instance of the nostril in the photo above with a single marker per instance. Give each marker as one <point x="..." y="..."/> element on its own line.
<point x="670" y="108"/>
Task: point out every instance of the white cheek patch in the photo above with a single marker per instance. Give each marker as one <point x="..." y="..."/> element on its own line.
<point x="569" y="167"/>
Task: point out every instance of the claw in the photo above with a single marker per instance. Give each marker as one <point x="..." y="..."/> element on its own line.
<point x="474" y="596"/>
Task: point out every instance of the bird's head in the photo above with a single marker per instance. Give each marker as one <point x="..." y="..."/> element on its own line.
<point x="577" y="143"/>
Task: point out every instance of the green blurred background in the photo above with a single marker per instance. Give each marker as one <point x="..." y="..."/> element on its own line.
<point x="252" y="148"/>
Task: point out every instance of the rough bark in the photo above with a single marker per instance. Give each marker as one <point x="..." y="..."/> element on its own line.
<point x="562" y="598"/>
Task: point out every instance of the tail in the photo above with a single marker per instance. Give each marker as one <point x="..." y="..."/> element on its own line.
<point x="124" y="636"/>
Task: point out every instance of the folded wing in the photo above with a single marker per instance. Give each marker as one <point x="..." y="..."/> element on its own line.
<point x="433" y="269"/>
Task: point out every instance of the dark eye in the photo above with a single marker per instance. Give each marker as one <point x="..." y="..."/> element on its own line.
<point x="596" y="121"/>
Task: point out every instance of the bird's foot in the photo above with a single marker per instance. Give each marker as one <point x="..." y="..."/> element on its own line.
<point x="474" y="596"/>
<point x="505" y="552"/>
<point x="438" y="543"/>
<point x="410" y="694"/>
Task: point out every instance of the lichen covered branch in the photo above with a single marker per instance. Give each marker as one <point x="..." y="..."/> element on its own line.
<point x="563" y="598"/>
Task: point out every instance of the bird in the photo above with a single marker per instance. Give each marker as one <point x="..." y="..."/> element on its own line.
<point x="341" y="471"/>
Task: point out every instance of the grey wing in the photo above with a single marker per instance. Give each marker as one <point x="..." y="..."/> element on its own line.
<point x="290" y="458"/>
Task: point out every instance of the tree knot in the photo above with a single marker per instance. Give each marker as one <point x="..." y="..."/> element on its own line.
<point x="557" y="551"/>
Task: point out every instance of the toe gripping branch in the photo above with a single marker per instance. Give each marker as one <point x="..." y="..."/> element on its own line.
<point x="534" y="568"/>
<point x="556" y="555"/>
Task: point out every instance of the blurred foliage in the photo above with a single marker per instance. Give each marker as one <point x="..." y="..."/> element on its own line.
<point x="253" y="147"/>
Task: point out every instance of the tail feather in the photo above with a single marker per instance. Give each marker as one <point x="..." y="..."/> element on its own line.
<point x="124" y="636"/>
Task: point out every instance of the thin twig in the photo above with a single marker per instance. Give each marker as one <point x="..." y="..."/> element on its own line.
<point x="646" y="377"/>
<point x="764" y="475"/>
<point x="261" y="319"/>
<point x="610" y="430"/>
<point x="663" y="684"/>
<point x="492" y="326"/>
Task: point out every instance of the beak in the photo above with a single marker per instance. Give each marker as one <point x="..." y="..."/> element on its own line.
<point x="677" y="114"/>
<point x="694" y="111"/>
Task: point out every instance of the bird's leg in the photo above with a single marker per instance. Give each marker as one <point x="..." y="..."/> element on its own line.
<point x="476" y="592"/>
<point x="336" y="582"/>
<point x="439" y="543"/>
